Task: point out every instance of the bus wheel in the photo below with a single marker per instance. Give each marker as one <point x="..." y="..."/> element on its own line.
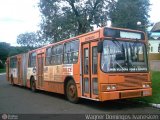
<point x="12" y="81"/>
<point x="71" y="92"/>
<point x="33" y="85"/>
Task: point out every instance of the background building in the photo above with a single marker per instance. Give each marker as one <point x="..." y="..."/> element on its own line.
<point x="154" y="44"/>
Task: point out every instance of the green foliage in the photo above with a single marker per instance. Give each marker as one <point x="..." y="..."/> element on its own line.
<point x="126" y="13"/>
<point x="29" y="40"/>
<point x="62" y="19"/>
<point x="19" y="49"/>
<point x="2" y="70"/>
<point x="4" y="51"/>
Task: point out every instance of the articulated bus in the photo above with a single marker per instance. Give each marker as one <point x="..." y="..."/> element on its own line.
<point x="106" y="64"/>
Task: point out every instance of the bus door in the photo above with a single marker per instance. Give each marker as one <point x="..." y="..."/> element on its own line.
<point x="19" y="69"/>
<point x="89" y="70"/>
<point x="40" y="65"/>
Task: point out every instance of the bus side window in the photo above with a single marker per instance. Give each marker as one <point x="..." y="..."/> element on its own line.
<point x="71" y="50"/>
<point x="48" y="56"/>
<point x="32" y="59"/>
<point x="57" y="54"/>
<point x="13" y="62"/>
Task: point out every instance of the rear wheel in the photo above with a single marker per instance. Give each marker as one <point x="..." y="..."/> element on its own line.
<point x="71" y="92"/>
<point x="33" y="85"/>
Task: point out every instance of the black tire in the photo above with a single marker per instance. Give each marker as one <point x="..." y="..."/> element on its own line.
<point x="71" y="92"/>
<point x="12" y="80"/>
<point x="33" y="85"/>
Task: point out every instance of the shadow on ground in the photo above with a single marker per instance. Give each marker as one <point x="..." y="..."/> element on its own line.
<point x="123" y="104"/>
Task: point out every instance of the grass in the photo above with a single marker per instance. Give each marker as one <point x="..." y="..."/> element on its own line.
<point x="2" y="70"/>
<point x="155" y="98"/>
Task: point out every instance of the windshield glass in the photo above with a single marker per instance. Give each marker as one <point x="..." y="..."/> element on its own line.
<point x="120" y="56"/>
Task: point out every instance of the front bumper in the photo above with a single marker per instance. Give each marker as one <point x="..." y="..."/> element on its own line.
<point x="113" y="95"/>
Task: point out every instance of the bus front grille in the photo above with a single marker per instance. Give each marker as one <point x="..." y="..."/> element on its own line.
<point x="132" y="82"/>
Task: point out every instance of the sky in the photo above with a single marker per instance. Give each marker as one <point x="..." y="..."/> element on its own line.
<point x="20" y="16"/>
<point x="16" y="17"/>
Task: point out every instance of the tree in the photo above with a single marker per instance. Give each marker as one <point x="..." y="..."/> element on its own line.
<point x="62" y="19"/>
<point x="14" y="50"/>
<point x="126" y="13"/>
<point x="29" y="39"/>
<point x="4" y="51"/>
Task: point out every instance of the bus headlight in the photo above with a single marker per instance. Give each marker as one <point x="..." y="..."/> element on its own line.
<point x="146" y="85"/>
<point x="108" y="87"/>
<point x="111" y="87"/>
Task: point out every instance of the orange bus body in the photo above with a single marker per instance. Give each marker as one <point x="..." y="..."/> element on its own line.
<point x="74" y="67"/>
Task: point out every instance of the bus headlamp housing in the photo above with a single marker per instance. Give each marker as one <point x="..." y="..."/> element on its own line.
<point x="146" y="85"/>
<point x="111" y="87"/>
<point x="108" y="87"/>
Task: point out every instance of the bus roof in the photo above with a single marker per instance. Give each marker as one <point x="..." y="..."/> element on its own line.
<point x="67" y="40"/>
<point x="82" y="35"/>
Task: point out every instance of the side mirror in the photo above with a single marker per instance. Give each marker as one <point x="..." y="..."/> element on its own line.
<point x="100" y="46"/>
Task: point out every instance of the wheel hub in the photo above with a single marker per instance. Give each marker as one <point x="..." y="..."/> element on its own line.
<point x="72" y="90"/>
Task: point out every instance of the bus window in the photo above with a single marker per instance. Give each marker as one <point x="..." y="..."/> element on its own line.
<point x="94" y="59"/>
<point x="86" y="85"/>
<point x="57" y="55"/>
<point x="95" y="86"/>
<point x="48" y="56"/>
<point x="32" y="59"/>
<point x="86" y="61"/>
<point x="13" y="62"/>
<point x="119" y="56"/>
<point x="71" y="52"/>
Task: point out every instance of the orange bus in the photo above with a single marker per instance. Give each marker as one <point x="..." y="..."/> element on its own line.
<point x="106" y="64"/>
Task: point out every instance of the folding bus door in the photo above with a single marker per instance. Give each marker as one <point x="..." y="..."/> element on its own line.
<point x="89" y="70"/>
<point x="40" y="65"/>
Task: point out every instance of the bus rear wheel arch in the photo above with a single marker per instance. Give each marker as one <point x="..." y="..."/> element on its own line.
<point x="32" y="84"/>
<point x="71" y="91"/>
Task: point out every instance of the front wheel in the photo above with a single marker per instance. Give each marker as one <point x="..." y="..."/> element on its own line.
<point x="71" y="92"/>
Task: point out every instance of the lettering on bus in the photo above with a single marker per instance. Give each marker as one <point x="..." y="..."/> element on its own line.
<point x="89" y="38"/>
<point x="68" y="69"/>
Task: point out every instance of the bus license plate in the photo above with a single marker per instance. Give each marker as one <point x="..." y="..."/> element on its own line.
<point x="145" y="93"/>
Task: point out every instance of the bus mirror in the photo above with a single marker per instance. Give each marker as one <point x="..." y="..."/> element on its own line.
<point x="100" y="46"/>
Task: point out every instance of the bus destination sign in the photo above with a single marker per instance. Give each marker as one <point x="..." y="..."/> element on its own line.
<point x="126" y="34"/>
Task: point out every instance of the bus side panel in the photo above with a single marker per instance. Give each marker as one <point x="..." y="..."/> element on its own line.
<point x="52" y="86"/>
<point x="53" y="79"/>
<point x="24" y="69"/>
<point x="77" y="77"/>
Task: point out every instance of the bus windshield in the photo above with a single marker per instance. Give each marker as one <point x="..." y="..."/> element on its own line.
<point x="123" y="56"/>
